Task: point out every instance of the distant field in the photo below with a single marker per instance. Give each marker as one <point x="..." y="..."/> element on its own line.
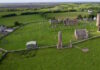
<point x="23" y="19"/>
<point x="67" y="15"/>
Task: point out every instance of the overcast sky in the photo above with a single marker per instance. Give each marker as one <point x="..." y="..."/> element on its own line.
<point x="14" y="1"/>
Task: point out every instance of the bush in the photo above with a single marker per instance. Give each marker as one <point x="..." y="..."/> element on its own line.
<point x="79" y="17"/>
<point x="17" y="23"/>
<point x="29" y="13"/>
<point x="91" y="17"/>
<point x="9" y="15"/>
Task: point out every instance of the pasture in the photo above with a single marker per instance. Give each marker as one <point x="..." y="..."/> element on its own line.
<point x="39" y="29"/>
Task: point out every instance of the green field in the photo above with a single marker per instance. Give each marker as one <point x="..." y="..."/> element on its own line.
<point x="39" y="29"/>
<point x="47" y="59"/>
<point x="43" y="33"/>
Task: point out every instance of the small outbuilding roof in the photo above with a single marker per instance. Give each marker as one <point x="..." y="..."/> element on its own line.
<point x="31" y="42"/>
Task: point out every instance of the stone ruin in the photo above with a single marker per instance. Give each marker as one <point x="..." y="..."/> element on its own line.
<point x="70" y="22"/>
<point x="98" y="22"/>
<point x="31" y="45"/>
<point x="66" y="22"/>
<point x="81" y="34"/>
<point x="59" y="45"/>
<point x="53" y="22"/>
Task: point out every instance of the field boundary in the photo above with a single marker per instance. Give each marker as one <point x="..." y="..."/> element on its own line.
<point x="3" y="56"/>
<point x="19" y="28"/>
<point x="53" y="46"/>
<point x="74" y="43"/>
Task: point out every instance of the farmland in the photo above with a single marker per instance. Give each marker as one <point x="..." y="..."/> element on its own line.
<point x="38" y="29"/>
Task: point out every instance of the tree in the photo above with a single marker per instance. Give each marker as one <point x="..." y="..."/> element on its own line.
<point x="79" y="17"/>
<point x="17" y="23"/>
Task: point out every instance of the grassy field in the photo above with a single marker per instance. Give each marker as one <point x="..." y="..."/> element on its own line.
<point x="67" y="15"/>
<point x="47" y="59"/>
<point x="43" y="34"/>
<point x="23" y="19"/>
<point x="41" y="31"/>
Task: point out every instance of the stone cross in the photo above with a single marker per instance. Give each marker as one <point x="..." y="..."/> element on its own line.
<point x="59" y="45"/>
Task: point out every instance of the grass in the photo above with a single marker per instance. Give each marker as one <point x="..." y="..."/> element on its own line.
<point x="42" y="33"/>
<point x="67" y="15"/>
<point x="23" y="19"/>
<point x="0" y="55"/>
<point x="50" y="58"/>
<point x="47" y="59"/>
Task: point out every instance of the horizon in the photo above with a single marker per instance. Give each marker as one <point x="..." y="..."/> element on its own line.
<point x="47" y="1"/>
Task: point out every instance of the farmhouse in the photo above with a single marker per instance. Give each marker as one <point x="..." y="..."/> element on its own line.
<point x="70" y="21"/>
<point x="31" y="45"/>
<point x="81" y="34"/>
<point x="2" y="28"/>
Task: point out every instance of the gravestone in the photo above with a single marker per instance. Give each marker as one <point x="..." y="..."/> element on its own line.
<point x="31" y="45"/>
<point x="59" y="45"/>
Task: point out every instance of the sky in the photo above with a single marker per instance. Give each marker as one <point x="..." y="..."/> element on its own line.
<point x="22" y="1"/>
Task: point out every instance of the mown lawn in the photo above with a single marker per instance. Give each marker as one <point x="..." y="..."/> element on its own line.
<point x="53" y="59"/>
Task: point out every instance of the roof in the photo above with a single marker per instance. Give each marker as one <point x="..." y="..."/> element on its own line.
<point x="9" y="30"/>
<point x="31" y="42"/>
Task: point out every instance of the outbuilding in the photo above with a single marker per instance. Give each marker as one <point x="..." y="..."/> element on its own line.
<point x="31" y="45"/>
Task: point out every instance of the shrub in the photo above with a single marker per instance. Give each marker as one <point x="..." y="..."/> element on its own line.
<point x="17" y="23"/>
<point x="9" y="15"/>
<point x="79" y="17"/>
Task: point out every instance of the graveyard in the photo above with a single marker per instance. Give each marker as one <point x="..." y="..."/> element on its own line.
<point x="67" y="39"/>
